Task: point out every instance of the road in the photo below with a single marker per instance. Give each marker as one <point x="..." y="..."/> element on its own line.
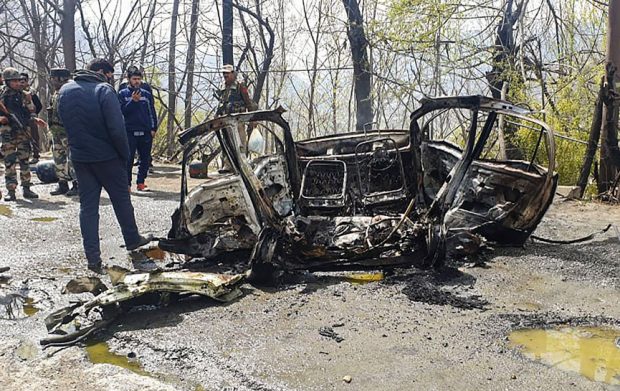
<point x="411" y="330"/>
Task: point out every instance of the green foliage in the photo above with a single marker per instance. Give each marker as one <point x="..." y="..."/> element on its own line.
<point x="414" y="23"/>
<point x="570" y="115"/>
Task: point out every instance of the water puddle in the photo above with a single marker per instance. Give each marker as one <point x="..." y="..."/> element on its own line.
<point x="44" y="219"/>
<point x="593" y="352"/>
<point x="29" y="308"/>
<point x="99" y="353"/>
<point x="364" y="278"/>
<point x="5" y="211"/>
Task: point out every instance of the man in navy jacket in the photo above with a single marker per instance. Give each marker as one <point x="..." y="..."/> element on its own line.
<point x="138" y="107"/>
<point x="89" y="110"/>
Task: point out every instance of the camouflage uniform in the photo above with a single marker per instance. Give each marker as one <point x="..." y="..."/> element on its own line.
<point x="16" y="142"/>
<point x="60" y="143"/>
<point x="234" y="98"/>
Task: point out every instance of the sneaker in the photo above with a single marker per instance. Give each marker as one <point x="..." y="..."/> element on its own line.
<point x="141" y="242"/>
<point x="142" y="187"/>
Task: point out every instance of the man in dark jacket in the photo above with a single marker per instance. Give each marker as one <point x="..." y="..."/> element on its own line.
<point x="138" y="107"/>
<point x="89" y="110"/>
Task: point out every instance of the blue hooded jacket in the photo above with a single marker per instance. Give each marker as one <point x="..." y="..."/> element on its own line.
<point x="89" y="110"/>
<point x="141" y="115"/>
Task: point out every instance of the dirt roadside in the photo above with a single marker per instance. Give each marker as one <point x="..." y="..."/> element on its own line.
<point x="396" y="334"/>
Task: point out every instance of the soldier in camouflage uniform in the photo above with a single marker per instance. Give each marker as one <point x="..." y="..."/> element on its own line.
<point x="234" y="97"/>
<point x="60" y="143"/>
<point x="15" y="114"/>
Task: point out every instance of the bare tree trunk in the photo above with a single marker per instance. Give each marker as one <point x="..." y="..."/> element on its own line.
<point x="505" y="53"/>
<point x="38" y="33"/>
<point x="595" y="132"/>
<point x="361" y="66"/>
<point x="316" y="39"/>
<point x="191" y="60"/>
<point x="501" y="128"/>
<point x="68" y="33"/>
<point x="227" y="31"/>
<point x="147" y="31"/>
<point x="610" y="153"/>
<point x="172" y="96"/>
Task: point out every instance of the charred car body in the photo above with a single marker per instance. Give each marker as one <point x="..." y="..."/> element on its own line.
<point x="367" y="199"/>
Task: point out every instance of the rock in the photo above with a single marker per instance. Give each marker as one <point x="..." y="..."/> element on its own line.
<point x="574" y="193"/>
<point x="27" y="351"/>
<point x="347" y="379"/>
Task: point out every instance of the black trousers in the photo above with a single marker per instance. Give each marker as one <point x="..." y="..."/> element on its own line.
<point x="110" y="175"/>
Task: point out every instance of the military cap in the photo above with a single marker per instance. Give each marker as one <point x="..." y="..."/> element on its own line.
<point x="11" y="74"/>
<point x="60" y="73"/>
<point x="228" y="68"/>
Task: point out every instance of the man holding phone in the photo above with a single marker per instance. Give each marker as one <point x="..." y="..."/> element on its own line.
<point x="138" y="107"/>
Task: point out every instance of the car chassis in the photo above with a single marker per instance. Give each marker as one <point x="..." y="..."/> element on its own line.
<point x="363" y="200"/>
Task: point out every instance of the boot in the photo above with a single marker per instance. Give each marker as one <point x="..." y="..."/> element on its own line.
<point x="29" y="193"/>
<point x="62" y="188"/>
<point x="74" y="190"/>
<point x="11" y="196"/>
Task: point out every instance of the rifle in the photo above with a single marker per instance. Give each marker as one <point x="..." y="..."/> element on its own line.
<point x="14" y="122"/>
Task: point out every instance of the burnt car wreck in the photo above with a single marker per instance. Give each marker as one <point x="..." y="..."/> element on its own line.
<point x="364" y="200"/>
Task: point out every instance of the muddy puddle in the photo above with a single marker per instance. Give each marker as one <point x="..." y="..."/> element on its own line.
<point x="5" y="211"/>
<point x="593" y="352"/>
<point x="364" y="278"/>
<point x="99" y="353"/>
<point x="29" y="308"/>
<point x="156" y="253"/>
<point x="44" y="219"/>
<point x="16" y="306"/>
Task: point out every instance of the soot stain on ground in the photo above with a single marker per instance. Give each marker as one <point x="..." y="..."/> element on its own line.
<point x="435" y="287"/>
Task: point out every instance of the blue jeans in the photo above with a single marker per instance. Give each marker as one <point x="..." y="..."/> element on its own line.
<point x="110" y="175"/>
<point x="143" y="145"/>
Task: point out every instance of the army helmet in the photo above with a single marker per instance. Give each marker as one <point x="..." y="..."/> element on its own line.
<point x="11" y="74"/>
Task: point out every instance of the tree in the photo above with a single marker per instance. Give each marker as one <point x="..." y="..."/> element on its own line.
<point x="610" y="153"/>
<point x="68" y="33"/>
<point x="361" y="66"/>
<point x="172" y="95"/>
<point x="190" y="62"/>
<point x="500" y="75"/>
<point x="227" y="32"/>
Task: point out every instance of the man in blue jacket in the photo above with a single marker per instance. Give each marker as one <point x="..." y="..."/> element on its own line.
<point x="89" y="110"/>
<point x="138" y="107"/>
